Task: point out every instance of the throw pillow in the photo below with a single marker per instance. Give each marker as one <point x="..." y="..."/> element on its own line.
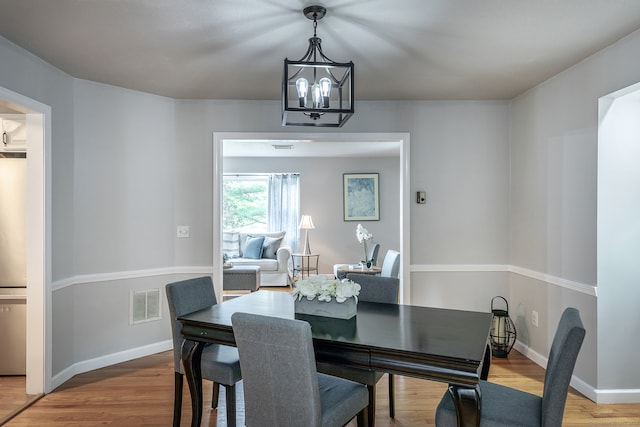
<point x="231" y="244"/>
<point x="253" y="248"/>
<point x="270" y="247"/>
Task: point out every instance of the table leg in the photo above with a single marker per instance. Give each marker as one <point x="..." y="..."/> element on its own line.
<point x="467" y="403"/>
<point x="486" y="363"/>
<point x="191" y="357"/>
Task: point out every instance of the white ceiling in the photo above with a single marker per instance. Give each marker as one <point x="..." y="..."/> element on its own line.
<point x="234" y="49"/>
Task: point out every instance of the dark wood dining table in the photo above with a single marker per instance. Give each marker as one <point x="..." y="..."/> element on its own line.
<point x="430" y="343"/>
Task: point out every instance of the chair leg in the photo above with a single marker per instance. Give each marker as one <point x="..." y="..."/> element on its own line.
<point x="392" y="397"/>
<point x="230" y="393"/>
<point x="215" y="395"/>
<point x="177" y="398"/>
<point x="371" y="409"/>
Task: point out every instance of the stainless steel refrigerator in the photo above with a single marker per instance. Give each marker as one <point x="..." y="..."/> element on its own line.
<point x="13" y="269"/>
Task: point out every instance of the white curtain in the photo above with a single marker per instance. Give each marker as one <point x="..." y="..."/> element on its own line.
<point x="284" y="207"/>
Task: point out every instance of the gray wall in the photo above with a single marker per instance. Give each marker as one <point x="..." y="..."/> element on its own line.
<point x="321" y="197"/>
<point x="554" y="172"/>
<point x="459" y="155"/>
<point x="511" y="200"/>
<point x="124" y="180"/>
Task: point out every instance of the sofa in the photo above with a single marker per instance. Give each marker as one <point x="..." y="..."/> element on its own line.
<point x="264" y="250"/>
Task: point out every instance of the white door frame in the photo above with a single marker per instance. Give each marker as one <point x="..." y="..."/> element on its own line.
<point x="402" y="138"/>
<point x="38" y="200"/>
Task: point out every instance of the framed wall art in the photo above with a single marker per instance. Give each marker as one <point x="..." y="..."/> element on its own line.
<point x="361" y="197"/>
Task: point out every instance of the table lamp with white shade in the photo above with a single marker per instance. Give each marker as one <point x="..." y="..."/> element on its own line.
<point x="306" y="224"/>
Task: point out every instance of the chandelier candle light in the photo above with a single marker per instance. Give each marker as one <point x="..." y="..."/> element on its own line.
<point x="328" y="84"/>
<point x="364" y="236"/>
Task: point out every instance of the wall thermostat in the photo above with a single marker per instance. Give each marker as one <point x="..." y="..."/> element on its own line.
<point x="422" y="197"/>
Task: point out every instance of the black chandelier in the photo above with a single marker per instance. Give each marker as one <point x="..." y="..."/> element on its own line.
<point x="316" y="91"/>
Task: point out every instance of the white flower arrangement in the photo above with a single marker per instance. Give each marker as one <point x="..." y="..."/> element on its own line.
<point x="325" y="289"/>
<point x="364" y="236"/>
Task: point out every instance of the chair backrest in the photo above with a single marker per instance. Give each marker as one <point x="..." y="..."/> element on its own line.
<point x="376" y="288"/>
<point x="373" y="250"/>
<point x="391" y="264"/>
<point x="186" y="297"/>
<point x="562" y="359"/>
<point x="278" y="370"/>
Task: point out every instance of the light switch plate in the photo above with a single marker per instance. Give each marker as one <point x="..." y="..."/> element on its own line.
<point x="182" y="231"/>
<point x="421" y="197"/>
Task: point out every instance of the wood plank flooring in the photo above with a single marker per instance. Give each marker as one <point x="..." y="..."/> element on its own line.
<point x="13" y="397"/>
<point x="140" y="393"/>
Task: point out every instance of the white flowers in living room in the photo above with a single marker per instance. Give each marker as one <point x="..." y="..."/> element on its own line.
<point x="325" y="289"/>
<point x="364" y="236"/>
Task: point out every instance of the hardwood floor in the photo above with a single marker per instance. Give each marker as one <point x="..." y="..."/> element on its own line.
<point x="13" y="396"/>
<point x="140" y="393"/>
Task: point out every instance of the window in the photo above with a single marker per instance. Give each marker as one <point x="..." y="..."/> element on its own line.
<point x="262" y="203"/>
<point x="244" y="202"/>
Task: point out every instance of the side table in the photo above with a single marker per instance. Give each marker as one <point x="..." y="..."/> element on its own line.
<point x="356" y="268"/>
<point x="305" y="264"/>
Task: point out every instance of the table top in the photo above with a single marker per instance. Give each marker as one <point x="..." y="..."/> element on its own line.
<point x="441" y="344"/>
<point x="356" y="268"/>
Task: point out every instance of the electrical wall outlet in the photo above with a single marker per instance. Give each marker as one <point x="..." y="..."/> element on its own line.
<point x="534" y="318"/>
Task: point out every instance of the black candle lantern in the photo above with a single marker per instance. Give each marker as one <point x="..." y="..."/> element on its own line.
<point x="503" y="331"/>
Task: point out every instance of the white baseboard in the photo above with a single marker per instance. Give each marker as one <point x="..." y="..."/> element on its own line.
<point x="539" y="359"/>
<point x="108" y="360"/>
<point x="603" y="396"/>
<point x="618" y="396"/>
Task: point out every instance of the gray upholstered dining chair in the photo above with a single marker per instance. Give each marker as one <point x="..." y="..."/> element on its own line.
<point x="372" y="289"/>
<point x="281" y="385"/>
<point x="507" y="407"/>
<point x="372" y="253"/>
<point x="391" y="264"/>
<point x="220" y="363"/>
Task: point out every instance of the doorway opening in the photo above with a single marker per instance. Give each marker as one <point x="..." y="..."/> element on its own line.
<point x="400" y="142"/>
<point x="38" y="232"/>
<point x="618" y="235"/>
